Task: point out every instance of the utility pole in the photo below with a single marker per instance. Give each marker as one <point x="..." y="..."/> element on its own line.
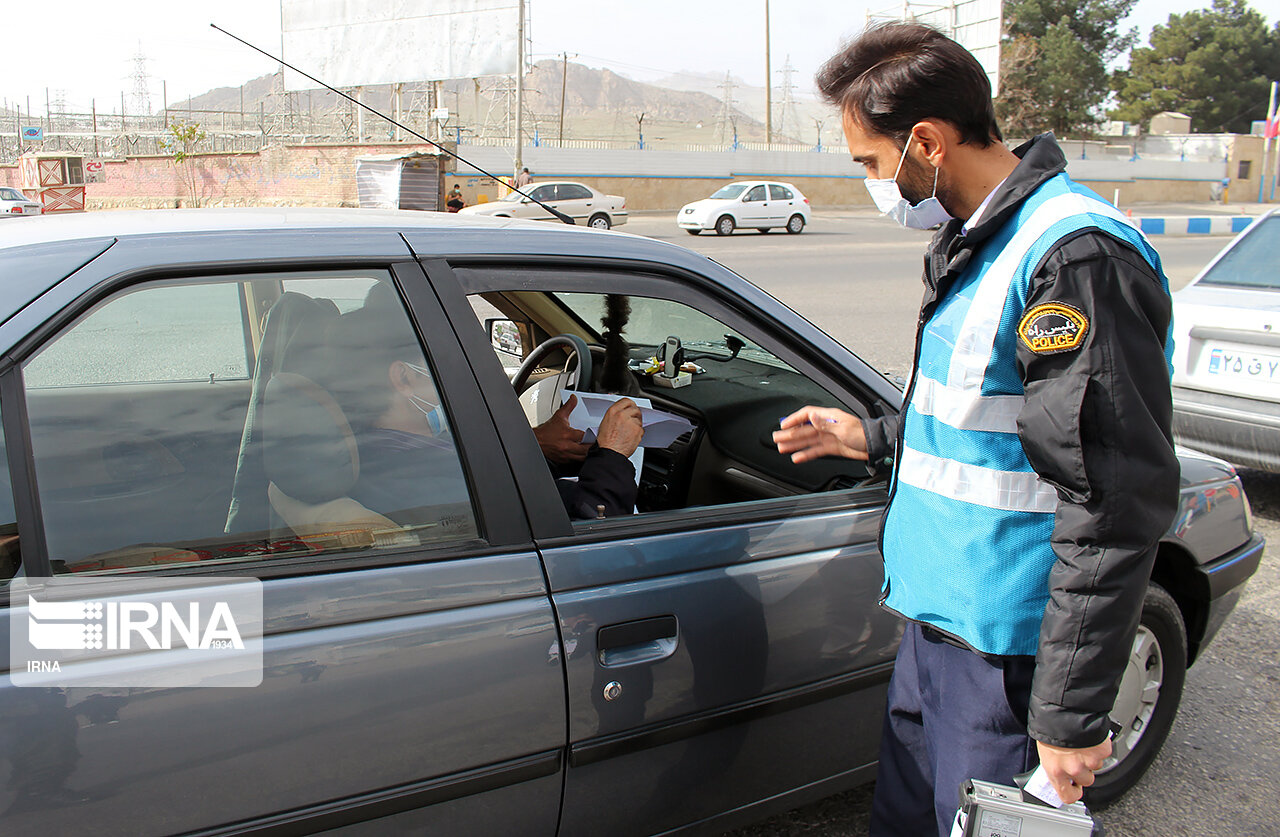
<point x="564" y="80"/>
<point x="519" y="92"/>
<point x="818" y="123"/>
<point x="768" y="82"/>
<point x="640" y="124"/>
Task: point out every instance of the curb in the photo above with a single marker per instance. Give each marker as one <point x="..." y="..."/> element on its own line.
<point x="1194" y="224"/>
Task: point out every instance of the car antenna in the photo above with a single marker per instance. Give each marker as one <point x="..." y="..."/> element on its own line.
<point x="376" y="112"/>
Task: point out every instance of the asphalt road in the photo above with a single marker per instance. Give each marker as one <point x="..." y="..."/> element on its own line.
<point x="857" y="277"/>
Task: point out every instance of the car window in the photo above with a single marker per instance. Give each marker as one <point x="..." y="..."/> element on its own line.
<point x="729" y="192"/>
<point x="780" y="193"/>
<point x="1250" y="263"/>
<point x="10" y="556"/>
<point x="336" y="441"/>
<point x="178" y="333"/>
<point x="544" y="193"/>
<point x="756" y="194"/>
<point x="572" y="191"/>
<point x="739" y="388"/>
<point x="10" y="195"/>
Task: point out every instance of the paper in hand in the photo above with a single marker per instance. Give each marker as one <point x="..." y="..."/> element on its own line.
<point x="660" y="427"/>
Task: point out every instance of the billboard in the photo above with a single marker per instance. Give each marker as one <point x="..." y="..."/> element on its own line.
<point x="351" y="43"/>
<point x="974" y="24"/>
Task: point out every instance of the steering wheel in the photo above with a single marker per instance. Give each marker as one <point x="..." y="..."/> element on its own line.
<point x="575" y="344"/>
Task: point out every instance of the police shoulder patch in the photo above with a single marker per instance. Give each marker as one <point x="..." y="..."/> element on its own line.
<point x="1052" y="327"/>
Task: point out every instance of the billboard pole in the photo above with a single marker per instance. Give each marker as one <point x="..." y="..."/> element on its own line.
<point x="1266" y="143"/>
<point x="519" y="92"/>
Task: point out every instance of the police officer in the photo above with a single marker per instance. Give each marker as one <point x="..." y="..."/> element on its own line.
<point x="1032" y="467"/>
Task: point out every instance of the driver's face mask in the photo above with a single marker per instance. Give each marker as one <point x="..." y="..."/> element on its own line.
<point x="889" y="200"/>
<point x="433" y="411"/>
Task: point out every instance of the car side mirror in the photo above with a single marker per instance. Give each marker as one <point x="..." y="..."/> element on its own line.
<point x="526" y="200"/>
<point x="504" y="336"/>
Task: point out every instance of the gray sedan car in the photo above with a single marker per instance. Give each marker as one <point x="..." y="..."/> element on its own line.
<point x="445" y="649"/>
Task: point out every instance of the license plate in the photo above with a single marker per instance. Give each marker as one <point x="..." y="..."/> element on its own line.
<point x="1243" y="364"/>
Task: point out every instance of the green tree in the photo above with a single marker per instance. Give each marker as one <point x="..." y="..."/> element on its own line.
<point x="1215" y="65"/>
<point x="1053" y="65"/>
<point x="180" y="143"/>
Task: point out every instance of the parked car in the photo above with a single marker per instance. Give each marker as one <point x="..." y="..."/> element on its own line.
<point x="1226" y="378"/>
<point x="14" y="204"/>
<point x="193" y="393"/>
<point x="586" y="206"/>
<point x="754" y="204"/>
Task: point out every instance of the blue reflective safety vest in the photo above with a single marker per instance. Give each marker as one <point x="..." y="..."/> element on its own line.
<point x="967" y="534"/>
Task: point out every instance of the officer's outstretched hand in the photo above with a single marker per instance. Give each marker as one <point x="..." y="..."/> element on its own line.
<point x="814" y="432"/>
<point x="1070" y="770"/>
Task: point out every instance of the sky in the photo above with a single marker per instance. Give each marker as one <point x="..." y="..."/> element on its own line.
<point x="93" y="56"/>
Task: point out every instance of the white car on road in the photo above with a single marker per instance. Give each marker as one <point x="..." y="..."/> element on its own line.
<point x="583" y="204"/>
<point x="14" y="204"/>
<point x="753" y="204"/>
<point x="1226" y="364"/>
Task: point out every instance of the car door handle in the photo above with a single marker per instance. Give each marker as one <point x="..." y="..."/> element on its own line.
<point x="638" y="641"/>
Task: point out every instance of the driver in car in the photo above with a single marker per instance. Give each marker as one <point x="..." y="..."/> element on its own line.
<point x="407" y="456"/>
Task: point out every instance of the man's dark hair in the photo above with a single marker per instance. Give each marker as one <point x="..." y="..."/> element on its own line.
<point x="896" y="74"/>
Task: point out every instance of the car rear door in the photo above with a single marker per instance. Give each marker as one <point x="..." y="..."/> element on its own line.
<point x="719" y="659"/>
<point x="576" y="201"/>
<point x="410" y="669"/>
<point x="783" y="202"/>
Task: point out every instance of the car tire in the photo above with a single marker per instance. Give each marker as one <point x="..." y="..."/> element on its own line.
<point x="1150" y="691"/>
<point x="599" y="221"/>
<point x="795" y="224"/>
<point x="693" y="232"/>
<point x="725" y="225"/>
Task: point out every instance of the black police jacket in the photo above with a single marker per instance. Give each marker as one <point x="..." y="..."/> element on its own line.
<point x="1096" y="426"/>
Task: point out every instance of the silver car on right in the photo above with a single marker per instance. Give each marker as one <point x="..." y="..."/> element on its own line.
<point x="1226" y="379"/>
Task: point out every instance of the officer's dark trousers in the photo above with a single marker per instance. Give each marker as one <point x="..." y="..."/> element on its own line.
<point x="952" y="715"/>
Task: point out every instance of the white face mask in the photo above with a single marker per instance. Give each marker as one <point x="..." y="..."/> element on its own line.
<point x="889" y="200"/>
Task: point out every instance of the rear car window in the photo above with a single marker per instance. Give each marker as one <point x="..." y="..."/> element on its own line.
<point x="170" y="427"/>
<point x="1250" y="263"/>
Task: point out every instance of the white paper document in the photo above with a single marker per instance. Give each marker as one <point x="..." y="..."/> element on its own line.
<point x="660" y="427"/>
<point x="1038" y="785"/>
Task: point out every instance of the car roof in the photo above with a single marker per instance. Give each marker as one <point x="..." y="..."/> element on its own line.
<point x="430" y="233"/>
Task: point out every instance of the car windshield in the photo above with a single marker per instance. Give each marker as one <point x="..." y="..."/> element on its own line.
<point x="653" y="320"/>
<point x="10" y="195"/>
<point x="512" y="196"/>
<point x="1250" y="263"/>
<point x="730" y="192"/>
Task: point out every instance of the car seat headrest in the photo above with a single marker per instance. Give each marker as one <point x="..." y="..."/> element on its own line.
<point x="308" y="447"/>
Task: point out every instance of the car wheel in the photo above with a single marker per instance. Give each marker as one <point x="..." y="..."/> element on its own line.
<point x="725" y="226"/>
<point x="1150" y="691"/>
<point x="599" y="221"/>
<point x="693" y="232"/>
<point x="795" y="224"/>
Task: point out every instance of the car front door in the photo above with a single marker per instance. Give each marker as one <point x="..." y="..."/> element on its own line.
<point x="723" y="649"/>
<point x="545" y="193"/>
<point x="185" y="421"/>
<point x="754" y="207"/>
